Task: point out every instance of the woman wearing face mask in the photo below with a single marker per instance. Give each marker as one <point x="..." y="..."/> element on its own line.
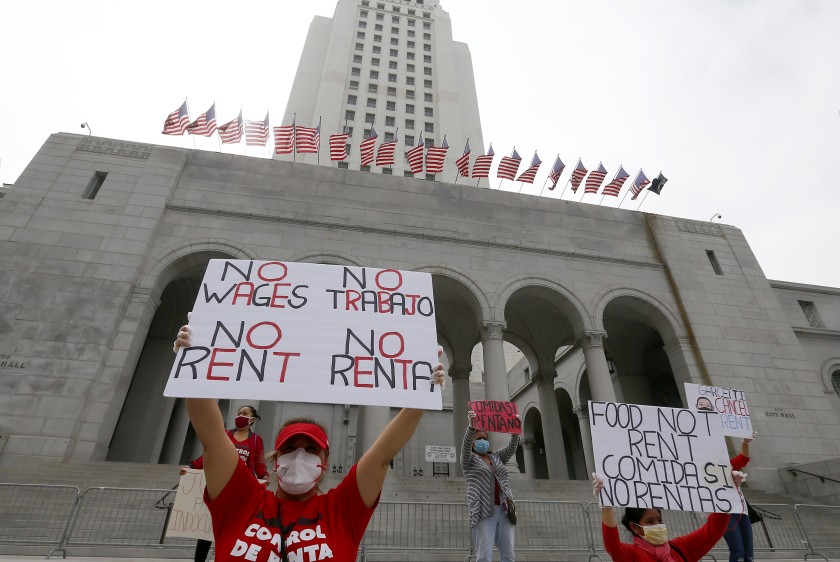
<point x="297" y="522"/>
<point x="488" y="489"/>
<point x="251" y="450"/>
<point x="650" y="535"/>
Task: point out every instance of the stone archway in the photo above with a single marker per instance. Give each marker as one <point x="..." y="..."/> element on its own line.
<point x="534" y="460"/>
<point x="152" y="428"/>
<point x="643" y="349"/>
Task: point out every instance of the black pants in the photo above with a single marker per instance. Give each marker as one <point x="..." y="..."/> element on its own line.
<point x="202" y="548"/>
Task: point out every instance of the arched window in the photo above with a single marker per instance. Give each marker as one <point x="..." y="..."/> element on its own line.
<point x="835" y="381"/>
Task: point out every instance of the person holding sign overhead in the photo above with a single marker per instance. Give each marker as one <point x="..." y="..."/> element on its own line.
<point x="650" y="534"/>
<point x="739" y="534"/>
<point x="298" y="522"/>
<point x="492" y="513"/>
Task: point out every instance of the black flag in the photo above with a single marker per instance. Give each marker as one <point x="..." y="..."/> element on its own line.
<point x="657" y="184"/>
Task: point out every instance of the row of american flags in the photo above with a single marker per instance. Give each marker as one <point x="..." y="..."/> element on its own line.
<point x="296" y="139"/>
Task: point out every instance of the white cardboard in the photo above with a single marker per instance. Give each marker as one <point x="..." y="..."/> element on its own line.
<point x="305" y="334"/>
<point x="730" y="403"/>
<point x="670" y="458"/>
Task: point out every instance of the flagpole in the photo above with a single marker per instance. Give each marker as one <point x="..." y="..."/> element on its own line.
<point x="565" y="187"/>
<point x="318" y="152"/>
<point x="543" y="187"/>
<point x="631" y="188"/>
<point x="294" y="137"/>
<point x="646" y="193"/>
<point x="187" y="101"/>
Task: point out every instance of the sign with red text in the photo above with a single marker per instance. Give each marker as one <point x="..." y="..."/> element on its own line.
<point x="190" y="518"/>
<point x="495" y="416"/>
<point x="669" y="458"/>
<point x="731" y="404"/>
<point x="304" y="332"/>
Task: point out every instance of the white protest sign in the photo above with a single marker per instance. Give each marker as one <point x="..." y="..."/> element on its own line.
<point x="303" y="332"/>
<point x="670" y="458"/>
<point x="731" y="404"/>
<point x="440" y="453"/>
<point x="190" y="517"/>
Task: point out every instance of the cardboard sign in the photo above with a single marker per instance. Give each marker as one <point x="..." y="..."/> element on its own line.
<point x="670" y="458"/>
<point x="731" y="404"/>
<point x="190" y="517"/>
<point x="496" y="416"/>
<point x="303" y="332"/>
<point x="440" y="453"/>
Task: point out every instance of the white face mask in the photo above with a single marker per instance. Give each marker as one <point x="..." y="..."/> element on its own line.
<point x="298" y="472"/>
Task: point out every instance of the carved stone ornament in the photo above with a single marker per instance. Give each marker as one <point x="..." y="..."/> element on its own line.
<point x="493" y="330"/>
<point x="115" y="148"/>
<point x="582" y="412"/>
<point x="593" y="338"/>
<point x="698" y="227"/>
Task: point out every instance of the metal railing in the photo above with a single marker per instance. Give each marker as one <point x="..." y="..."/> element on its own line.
<point x="35" y="514"/>
<point x="121" y="517"/>
<point x="822" y="478"/>
<point x="820" y="526"/>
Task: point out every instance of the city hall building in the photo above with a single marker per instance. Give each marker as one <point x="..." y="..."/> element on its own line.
<point x="546" y="302"/>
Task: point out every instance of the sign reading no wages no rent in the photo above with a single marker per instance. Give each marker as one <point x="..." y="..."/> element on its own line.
<point x="303" y="332"/>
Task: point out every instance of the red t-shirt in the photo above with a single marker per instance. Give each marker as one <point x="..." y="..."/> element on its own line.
<point x="247" y="521"/>
<point x="251" y="450"/>
<point x="694" y="546"/>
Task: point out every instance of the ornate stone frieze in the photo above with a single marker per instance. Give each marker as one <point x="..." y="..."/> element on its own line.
<point x="115" y="148"/>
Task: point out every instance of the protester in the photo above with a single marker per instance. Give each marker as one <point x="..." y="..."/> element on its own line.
<point x="251" y="450"/>
<point x="739" y="533"/>
<point x="488" y="492"/>
<point x="298" y="521"/>
<point x="650" y="535"/>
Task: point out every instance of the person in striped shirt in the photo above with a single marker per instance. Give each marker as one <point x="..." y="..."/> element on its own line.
<point x="488" y="489"/>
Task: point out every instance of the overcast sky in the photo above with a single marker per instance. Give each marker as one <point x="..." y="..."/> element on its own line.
<point x="737" y="102"/>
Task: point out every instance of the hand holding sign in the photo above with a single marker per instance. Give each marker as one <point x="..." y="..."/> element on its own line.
<point x="495" y="416"/>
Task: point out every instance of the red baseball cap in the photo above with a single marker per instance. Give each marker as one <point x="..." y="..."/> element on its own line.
<point x="310" y="430"/>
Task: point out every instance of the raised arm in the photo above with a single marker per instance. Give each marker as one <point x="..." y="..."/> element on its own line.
<point x="510" y="450"/>
<point x="469" y="437"/>
<point x="373" y="466"/>
<point x="220" y="456"/>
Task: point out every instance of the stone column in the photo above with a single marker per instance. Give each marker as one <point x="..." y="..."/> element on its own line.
<point x="495" y="371"/>
<point x="372" y="420"/>
<point x="176" y="434"/>
<point x="600" y="382"/>
<point x="681" y="357"/>
<point x="460" y="375"/>
<point x="586" y="437"/>
<point x="530" y="461"/>
<point x="555" y="450"/>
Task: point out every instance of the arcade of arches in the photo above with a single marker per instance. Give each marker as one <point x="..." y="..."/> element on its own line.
<point x="625" y="347"/>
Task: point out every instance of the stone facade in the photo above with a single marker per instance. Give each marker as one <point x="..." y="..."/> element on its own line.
<point x="94" y="289"/>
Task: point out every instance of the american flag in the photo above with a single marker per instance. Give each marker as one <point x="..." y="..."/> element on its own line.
<point x="256" y="132"/>
<point x="338" y="146"/>
<point x="435" y="157"/>
<point x="385" y="153"/>
<point x="177" y="121"/>
<point x="463" y="163"/>
<point x="367" y="146"/>
<point x="614" y="187"/>
<point x="231" y="132"/>
<point x="308" y="139"/>
<point x="481" y="167"/>
<point x="556" y="170"/>
<point x="509" y="165"/>
<point x="205" y="125"/>
<point x="528" y="175"/>
<point x="639" y="184"/>
<point x="577" y="175"/>
<point x="284" y="139"/>
<point x="415" y="156"/>
<point x="595" y="179"/>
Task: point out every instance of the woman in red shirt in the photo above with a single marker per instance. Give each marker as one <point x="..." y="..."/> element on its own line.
<point x="297" y="522"/>
<point x="650" y="535"/>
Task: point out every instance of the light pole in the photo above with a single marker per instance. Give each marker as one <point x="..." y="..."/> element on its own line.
<point x="715" y="216"/>
<point x="86" y="126"/>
